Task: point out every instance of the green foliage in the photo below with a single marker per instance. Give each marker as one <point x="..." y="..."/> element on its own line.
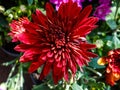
<point x="75" y="86"/>
<point x="30" y="2"/>
<point x="112" y="24"/>
<point x="96" y="85"/>
<point x="116" y="41"/>
<point x="14" y="81"/>
<point x="41" y="87"/>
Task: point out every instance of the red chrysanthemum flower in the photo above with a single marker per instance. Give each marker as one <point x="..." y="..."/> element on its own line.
<point x="17" y="28"/>
<point x="113" y="66"/>
<point x="57" y="40"/>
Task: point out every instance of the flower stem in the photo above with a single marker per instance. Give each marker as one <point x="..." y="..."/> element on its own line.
<point x="117" y="7"/>
<point x="10" y="74"/>
<point x="94" y="71"/>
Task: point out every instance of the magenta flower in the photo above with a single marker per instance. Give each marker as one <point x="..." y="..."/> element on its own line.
<point x="102" y="11"/>
<point x="104" y="1"/>
<point x="58" y="2"/>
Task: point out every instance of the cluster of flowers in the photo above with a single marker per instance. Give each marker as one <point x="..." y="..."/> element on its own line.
<point x="101" y="11"/>
<point x="57" y="40"/>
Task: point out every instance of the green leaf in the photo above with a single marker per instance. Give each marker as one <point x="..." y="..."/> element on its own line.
<point x="113" y="12"/>
<point x="42" y="10"/>
<point x="30" y="2"/>
<point x="41" y="87"/>
<point x="75" y="86"/>
<point x="116" y="41"/>
<point x="112" y="24"/>
<point x="108" y="87"/>
<point x="110" y="19"/>
<point x="79" y="74"/>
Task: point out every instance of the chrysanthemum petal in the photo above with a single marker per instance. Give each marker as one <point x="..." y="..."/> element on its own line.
<point x="33" y="67"/>
<point x="29" y="54"/>
<point x="85" y="13"/>
<point x="89" y="21"/>
<point x="87" y="46"/>
<point x="46" y="70"/>
<point x="39" y="18"/>
<point x="28" y="38"/>
<point x="22" y="47"/>
<point x="32" y="28"/>
<point x="83" y="30"/>
<point x="49" y="11"/>
<point x="57" y="68"/>
<point x="110" y="79"/>
<point x="66" y="74"/>
<point x="90" y="54"/>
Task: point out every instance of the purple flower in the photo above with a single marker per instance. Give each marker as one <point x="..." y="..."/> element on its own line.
<point x="58" y="2"/>
<point x="104" y="1"/>
<point x="102" y="11"/>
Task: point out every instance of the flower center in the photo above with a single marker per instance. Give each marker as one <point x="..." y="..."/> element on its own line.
<point x="116" y="60"/>
<point x="57" y="36"/>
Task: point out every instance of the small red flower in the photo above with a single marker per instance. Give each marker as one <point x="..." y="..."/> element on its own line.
<point x="57" y="40"/>
<point x="17" y="28"/>
<point x="113" y="66"/>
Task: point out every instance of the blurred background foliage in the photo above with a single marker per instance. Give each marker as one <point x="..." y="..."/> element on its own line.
<point x="106" y="37"/>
